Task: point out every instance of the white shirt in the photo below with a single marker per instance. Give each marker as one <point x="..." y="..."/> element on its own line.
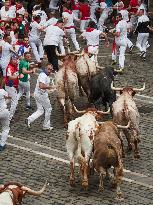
<point x="143" y="6"/>
<point x="45" y="79"/>
<point x="143" y="18"/>
<point x="3" y="104"/>
<point x="51" y="21"/>
<point x="92" y="37"/>
<point x="122" y="28"/>
<point x="69" y="17"/>
<point x="103" y="6"/>
<point x="53" y="35"/>
<point x="35" y="32"/>
<point x="119" y="5"/>
<point x="125" y="15"/>
<point x="42" y="14"/>
<point x="6" y="55"/>
<point x="21" y="11"/>
<point x="5" y="14"/>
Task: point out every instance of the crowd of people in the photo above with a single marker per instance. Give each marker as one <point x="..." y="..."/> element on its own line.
<point x="21" y="31"/>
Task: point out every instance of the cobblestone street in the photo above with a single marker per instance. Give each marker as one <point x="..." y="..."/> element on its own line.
<point x="33" y="156"/>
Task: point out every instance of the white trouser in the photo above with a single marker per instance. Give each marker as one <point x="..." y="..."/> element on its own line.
<point x="84" y="24"/>
<point x="12" y="92"/>
<point x="43" y="104"/>
<point x="92" y="13"/>
<point x="129" y="43"/>
<point x="72" y="34"/>
<point x="121" y="44"/>
<point x="5" y="122"/>
<point x="94" y="51"/>
<point x="61" y="46"/>
<point x="4" y="63"/>
<point x="133" y="20"/>
<point x="142" y="40"/>
<point x="76" y="13"/>
<point x="101" y="22"/>
<point x="24" y="87"/>
<point x="37" y="48"/>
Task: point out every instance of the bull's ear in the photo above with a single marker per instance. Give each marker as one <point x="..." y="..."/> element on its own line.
<point x="133" y="93"/>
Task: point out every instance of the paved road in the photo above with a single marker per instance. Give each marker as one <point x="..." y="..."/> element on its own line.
<point x="33" y="156"/>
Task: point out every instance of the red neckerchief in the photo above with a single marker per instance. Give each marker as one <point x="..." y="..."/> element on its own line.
<point x="68" y="11"/>
<point x="89" y="29"/>
<point x="19" y="43"/>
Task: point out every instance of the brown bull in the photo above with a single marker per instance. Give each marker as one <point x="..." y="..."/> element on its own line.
<point x="125" y="110"/>
<point x="12" y="193"/>
<point x="107" y="153"/>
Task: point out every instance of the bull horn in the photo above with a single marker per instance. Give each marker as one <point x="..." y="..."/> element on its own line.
<point x="32" y="192"/>
<point x="116" y="89"/>
<point x="77" y="111"/>
<point x="73" y="52"/>
<point x="124" y="127"/>
<point x="80" y="54"/>
<point x="102" y="112"/>
<point x="59" y="54"/>
<point x="140" y="89"/>
<point x="99" y="67"/>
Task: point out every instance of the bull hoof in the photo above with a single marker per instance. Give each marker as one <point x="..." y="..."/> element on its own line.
<point x="123" y="154"/>
<point x="119" y="196"/>
<point x="72" y="182"/>
<point x="85" y="184"/>
<point x="101" y="189"/>
<point x="137" y="155"/>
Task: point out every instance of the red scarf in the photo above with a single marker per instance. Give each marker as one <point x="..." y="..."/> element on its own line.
<point x="89" y="29"/>
<point x="68" y="11"/>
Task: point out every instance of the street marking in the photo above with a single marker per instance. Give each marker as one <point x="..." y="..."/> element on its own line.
<point x="64" y="153"/>
<point x="67" y="161"/>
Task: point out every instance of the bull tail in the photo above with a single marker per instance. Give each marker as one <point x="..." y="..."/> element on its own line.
<point x="126" y="111"/>
<point x="80" y="158"/>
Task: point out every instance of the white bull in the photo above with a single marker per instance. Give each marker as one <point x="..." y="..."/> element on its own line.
<point x="79" y="142"/>
<point x="12" y="193"/>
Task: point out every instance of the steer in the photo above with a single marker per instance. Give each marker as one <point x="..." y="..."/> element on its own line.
<point x="108" y="152"/>
<point x="79" y="142"/>
<point x="12" y="193"/>
<point x="124" y="110"/>
<point x="66" y="82"/>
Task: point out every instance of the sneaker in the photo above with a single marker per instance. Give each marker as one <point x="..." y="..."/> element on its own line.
<point x="47" y="128"/>
<point x="113" y="62"/>
<point x="2" y="147"/>
<point x="142" y="53"/>
<point x="27" y="123"/>
<point x="144" y="58"/>
<point x="131" y="48"/>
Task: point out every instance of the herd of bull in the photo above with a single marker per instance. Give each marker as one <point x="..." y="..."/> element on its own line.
<point x="97" y="145"/>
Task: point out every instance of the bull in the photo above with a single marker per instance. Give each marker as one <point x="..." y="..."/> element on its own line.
<point x="95" y="84"/>
<point x="66" y="82"/>
<point x="100" y="87"/>
<point x="12" y="193"/>
<point x="124" y="110"/>
<point x="79" y="142"/>
<point x="108" y="152"/>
